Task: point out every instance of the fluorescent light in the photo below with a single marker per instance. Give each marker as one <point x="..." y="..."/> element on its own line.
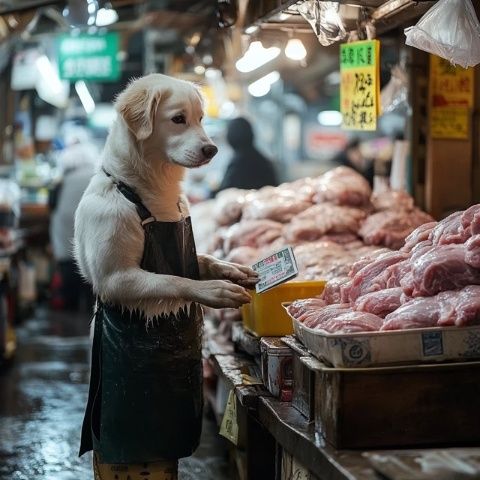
<point x="262" y="86"/>
<point x="49" y="74"/>
<point x="106" y="16"/>
<point x="256" y="56"/>
<point x="85" y="97"/>
<point x="330" y="118"/>
<point x="251" y="29"/>
<point x="295" y="49"/>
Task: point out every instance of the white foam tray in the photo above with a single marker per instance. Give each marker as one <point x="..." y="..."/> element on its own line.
<point x="396" y="347"/>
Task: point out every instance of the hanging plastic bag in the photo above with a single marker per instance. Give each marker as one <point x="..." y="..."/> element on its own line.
<point x="394" y="96"/>
<point x="325" y="20"/>
<point x="451" y="30"/>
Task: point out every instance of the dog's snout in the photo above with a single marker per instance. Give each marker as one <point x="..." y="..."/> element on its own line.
<point x="209" y="151"/>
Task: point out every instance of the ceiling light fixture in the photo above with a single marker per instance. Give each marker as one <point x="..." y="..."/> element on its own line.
<point x="295" y="50"/>
<point x="256" y="56"/>
<point x="107" y="15"/>
<point x="262" y="86"/>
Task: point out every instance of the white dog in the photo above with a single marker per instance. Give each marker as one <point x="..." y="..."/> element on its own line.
<point x="157" y="134"/>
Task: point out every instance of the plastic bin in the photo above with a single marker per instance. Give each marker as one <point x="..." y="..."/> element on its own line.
<point x="266" y="317"/>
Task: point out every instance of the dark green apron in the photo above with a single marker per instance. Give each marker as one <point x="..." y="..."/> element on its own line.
<point x="145" y="400"/>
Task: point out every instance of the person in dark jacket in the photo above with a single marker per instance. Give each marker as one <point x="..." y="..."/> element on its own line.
<point x="248" y="168"/>
<point x="352" y="157"/>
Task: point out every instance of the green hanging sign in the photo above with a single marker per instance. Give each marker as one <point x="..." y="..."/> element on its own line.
<point x="89" y="57"/>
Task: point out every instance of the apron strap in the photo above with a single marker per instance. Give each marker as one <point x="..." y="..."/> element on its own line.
<point x="132" y="196"/>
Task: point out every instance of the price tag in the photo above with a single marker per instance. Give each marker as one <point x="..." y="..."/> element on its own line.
<point x="275" y="269"/>
<point x="229" y="425"/>
<point x="360" y="84"/>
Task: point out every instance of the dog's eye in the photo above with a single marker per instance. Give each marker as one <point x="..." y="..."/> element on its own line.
<point x="179" y="119"/>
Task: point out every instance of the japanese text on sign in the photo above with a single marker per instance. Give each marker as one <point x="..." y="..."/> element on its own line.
<point x="451" y="99"/>
<point x="359" y="92"/>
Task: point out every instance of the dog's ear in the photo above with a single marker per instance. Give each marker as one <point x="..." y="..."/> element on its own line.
<point x="137" y="106"/>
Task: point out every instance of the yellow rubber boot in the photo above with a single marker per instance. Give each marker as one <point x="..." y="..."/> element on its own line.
<point x="148" y="471"/>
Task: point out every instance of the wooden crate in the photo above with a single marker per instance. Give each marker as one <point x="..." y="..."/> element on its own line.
<point x="421" y="405"/>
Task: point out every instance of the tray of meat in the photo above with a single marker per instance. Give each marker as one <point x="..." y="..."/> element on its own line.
<point x="345" y="338"/>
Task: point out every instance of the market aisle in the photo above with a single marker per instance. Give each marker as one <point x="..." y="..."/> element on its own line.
<point x="42" y="398"/>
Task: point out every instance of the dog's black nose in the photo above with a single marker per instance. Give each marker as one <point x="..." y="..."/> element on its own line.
<point x="209" y="151"/>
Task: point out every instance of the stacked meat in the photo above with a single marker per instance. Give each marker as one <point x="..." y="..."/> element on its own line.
<point x="331" y="221"/>
<point x="434" y="280"/>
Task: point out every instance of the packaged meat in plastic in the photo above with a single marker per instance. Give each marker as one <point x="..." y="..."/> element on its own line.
<point x="229" y="206"/>
<point x="450" y="29"/>
<point x="343" y="186"/>
<point x="391" y="227"/>
<point x="441" y="268"/>
<point x="380" y="303"/>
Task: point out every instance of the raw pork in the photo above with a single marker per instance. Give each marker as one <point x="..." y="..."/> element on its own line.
<point x="467" y="306"/>
<point x="472" y="251"/>
<point x="422" y="312"/>
<point x="319" y="316"/>
<point x="449" y="230"/>
<point x="395" y="273"/>
<point x="392" y="200"/>
<point x="229" y="205"/>
<point x="370" y="278"/>
<point x="333" y="290"/>
<point x="343" y="186"/>
<point x="319" y="220"/>
<point x="380" y="303"/>
<point x="252" y="233"/>
<point x="352" y="322"/>
<point x="243" y="255"/>
<point x="442" y="268"/>
<point x="391" y="227"/>
<point x="420" y="234"/>
<point x="471" y="219"/>
<point x="299" y="307"/>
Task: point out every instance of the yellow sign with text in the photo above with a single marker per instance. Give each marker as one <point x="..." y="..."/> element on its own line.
<point x="360" y="84"/>
<point x="451" y="99"/>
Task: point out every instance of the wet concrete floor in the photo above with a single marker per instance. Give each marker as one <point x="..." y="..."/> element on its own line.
<point x="42" y="400"/>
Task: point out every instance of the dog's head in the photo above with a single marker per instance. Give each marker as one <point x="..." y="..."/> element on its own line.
<point x="165" y="115"/>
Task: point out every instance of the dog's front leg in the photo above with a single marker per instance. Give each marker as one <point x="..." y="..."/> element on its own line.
<point x="214" y="269"/>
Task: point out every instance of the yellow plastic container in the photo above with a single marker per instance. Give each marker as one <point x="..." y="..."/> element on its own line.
<point x="265" y="315"/>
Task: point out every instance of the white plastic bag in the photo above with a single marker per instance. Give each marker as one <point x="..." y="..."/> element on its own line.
<point x="325" y="20"/>
<point x="451" y="30"/>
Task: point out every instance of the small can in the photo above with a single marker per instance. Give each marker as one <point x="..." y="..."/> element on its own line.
<point x="277" y="371"/>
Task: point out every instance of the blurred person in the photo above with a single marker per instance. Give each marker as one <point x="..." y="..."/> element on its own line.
<point x="248" y="168"/>
<point x="77" y="162"/>
<point x="352" y="157"/>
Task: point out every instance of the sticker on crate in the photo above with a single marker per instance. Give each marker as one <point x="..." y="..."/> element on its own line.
<point x="277" y="268"/>
<point x="355" y="352"/>
<point x="432" y="344"/>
